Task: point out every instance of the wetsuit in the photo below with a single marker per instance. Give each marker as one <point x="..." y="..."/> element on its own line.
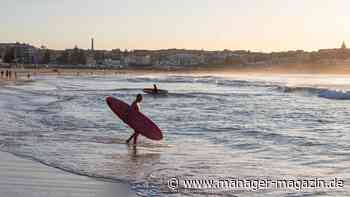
<point x="134" y="106"/>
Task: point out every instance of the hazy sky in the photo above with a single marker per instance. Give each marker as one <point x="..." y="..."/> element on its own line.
<point x="259" y="25"/>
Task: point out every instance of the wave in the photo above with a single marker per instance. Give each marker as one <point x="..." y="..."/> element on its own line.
<point x="221" y="81"/>
<point x="289" y="89"/>
<point x="320" y="92"/>
<point x="106" y="90"/>
<point x="335" y="94"/>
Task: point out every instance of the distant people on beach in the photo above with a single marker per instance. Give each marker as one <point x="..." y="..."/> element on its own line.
<point x="28" y="76"/>
<point x="8" y="74"/>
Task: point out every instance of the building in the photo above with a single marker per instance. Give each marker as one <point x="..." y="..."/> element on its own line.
<point x="20" y="53"/>
<point x="138" y="60"/>
<point x="185" y="59"/>
<point x="90" y="58"/>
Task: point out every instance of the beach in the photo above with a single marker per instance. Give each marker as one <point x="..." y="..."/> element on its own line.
<point x="325" y="69"/>
<point x="25" y="177"/>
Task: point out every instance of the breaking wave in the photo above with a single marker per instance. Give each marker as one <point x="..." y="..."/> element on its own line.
<point x="320" y="92"/>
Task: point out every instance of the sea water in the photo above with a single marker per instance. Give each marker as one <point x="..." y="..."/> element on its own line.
<point x="223" y="126"/>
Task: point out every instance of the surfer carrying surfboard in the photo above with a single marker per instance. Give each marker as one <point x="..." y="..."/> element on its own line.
<point x="131" y="116"/>
<point x="135" y="106"/>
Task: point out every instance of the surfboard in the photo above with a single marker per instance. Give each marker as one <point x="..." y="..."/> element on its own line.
<point x="151" y="91"/>
<point x="135" y="119"/>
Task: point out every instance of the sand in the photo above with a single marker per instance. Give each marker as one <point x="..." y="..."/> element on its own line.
<point x="24" y="177"/>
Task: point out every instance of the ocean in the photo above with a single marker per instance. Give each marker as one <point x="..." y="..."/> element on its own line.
<point x="239" y="126"/>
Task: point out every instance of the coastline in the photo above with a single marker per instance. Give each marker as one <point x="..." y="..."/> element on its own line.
<point x="216" y="69"/>
<point x="21" y="175"/>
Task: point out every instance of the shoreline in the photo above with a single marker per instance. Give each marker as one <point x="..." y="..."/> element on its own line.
<point x="218" y="69"/>
<point x="21" y="175"/>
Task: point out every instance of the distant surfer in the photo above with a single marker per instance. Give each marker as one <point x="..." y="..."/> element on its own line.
<point x="155" y="89"/>
<point x="135" y="106"/>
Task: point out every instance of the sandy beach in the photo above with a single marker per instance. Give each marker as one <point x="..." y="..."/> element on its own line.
<point x="24" y="177"/>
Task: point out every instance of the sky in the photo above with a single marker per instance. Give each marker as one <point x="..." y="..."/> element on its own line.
<point x="256" y="25"/>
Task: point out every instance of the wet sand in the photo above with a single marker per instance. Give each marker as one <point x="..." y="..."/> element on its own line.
<point x="24" y="177"/>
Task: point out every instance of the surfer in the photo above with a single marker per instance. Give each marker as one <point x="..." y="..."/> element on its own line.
<point x="135" y="106"/>
<point x="155" y="89"/>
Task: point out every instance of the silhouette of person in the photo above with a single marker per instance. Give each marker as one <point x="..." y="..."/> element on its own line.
<point x="135" y="106"/>
<point x="155" y="89"/>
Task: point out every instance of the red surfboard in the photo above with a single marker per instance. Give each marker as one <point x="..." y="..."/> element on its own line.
<point x="135" y="119"/>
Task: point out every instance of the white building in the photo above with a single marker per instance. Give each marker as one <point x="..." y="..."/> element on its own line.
<point x="184" y="59"/>
<point x="113" y="63"/>
<point x="138" y="60"/>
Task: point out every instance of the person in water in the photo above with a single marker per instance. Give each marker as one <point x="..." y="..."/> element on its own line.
<point x="155" y="89"/>
<point x="135" y="106"/>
